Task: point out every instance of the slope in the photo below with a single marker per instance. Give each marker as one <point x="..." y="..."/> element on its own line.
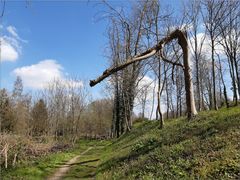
<point x="207" y="147"/>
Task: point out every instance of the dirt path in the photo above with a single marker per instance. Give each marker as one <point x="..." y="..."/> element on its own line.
<point x="64" y="168"/>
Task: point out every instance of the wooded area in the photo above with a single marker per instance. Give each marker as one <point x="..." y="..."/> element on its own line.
<point x="61" y="109"/>
<point x="200" y="25"/>
<point x="191" y="59"/>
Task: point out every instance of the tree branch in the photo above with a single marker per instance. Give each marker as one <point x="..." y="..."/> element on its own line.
<point x="148" y="53"/>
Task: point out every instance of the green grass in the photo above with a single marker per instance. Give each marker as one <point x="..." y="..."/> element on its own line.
<point x="41" y="168"/>
<point x="87" y="164"/>
<point x="207" y="147"/>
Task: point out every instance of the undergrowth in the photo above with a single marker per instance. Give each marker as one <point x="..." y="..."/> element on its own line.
<point x="204" y="148"/>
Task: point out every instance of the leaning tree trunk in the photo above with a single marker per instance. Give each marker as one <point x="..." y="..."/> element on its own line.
<point x="191" y="109"/>
<point x="182" y="40"/>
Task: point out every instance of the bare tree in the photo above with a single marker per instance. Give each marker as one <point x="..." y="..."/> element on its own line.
<point x="196" y="43"/>
<point x="39" y="120"/>
<point x="213" y="15"/>
<point x="125" y="34"/>
<point x="230" y="41"/>
<point x="182" y="40"/>
<point x="223" y="82"/>
<point x="6" y="112"/>
<point x="21" y="108"/>
<point x="77" y="101"/>
<point x="143" y="92"/>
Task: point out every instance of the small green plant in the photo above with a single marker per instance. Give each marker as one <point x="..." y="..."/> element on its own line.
<point x="144" y="144"/>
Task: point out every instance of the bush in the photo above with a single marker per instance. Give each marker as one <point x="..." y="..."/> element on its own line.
<point x="15" y="149"/>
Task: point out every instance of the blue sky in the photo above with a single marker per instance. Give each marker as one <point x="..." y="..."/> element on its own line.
<point x="45" y="39"/>
<point x="42" y="39"/>
<point x="64" y="38"/>
<point x="66" y="32"/>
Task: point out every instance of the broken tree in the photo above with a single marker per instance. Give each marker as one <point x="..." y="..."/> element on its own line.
<point x="182" y="41"/>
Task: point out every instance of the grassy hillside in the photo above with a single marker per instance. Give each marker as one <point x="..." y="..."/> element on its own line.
<point x="205" y="148"/>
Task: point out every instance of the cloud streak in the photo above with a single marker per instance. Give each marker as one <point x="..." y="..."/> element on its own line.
<point x="13" y="31"/>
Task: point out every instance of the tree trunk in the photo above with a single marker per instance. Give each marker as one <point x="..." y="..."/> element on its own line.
<point x="237" y="75"/>
<point x="214" y="78"/>
<point x="224" y="86"/>
<point x="233" y="80"/>
<point x="191" y="109"/>
<point x="197" y="72"/>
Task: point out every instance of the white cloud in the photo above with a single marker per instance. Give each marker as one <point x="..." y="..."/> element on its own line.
<point x="8" y="51"/>
<point x="150" y="86"/>
<point x="13" y="32"/>
<point x="10" y="45"/>
<point x="38" y="76"/>
<point x="206" y="45"/>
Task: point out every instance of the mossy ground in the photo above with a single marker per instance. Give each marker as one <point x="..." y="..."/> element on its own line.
<point x="207" y="147"/>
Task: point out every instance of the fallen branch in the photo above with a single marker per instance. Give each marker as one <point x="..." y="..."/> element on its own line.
<point x="148" y="53"/>
<point x="182" y="41"/>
